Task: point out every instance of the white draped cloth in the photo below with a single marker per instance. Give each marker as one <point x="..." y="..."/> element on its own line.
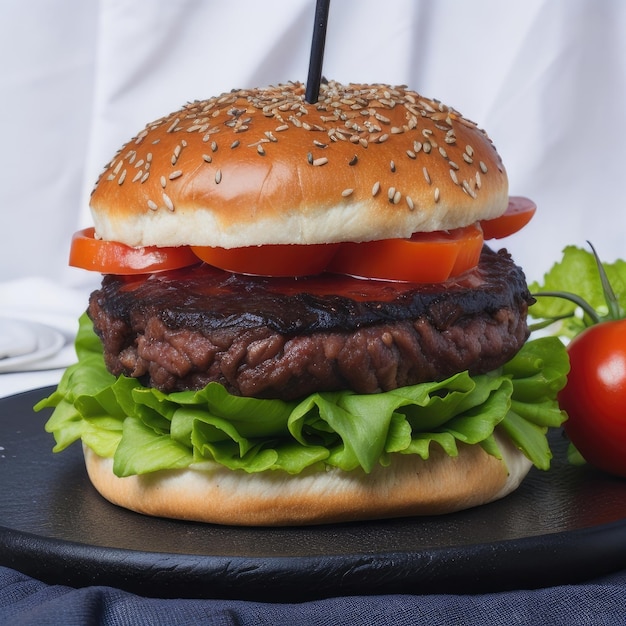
<point x="545" y="78"/>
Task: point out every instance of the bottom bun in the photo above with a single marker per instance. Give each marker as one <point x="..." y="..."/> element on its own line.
<point x="408" y="486"/>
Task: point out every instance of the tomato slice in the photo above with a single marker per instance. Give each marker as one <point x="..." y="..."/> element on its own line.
<point x="270" y="259"/>
<point x="423" y="258"/>
<point x="112" y="257"/>
<point x="519" y="212"/>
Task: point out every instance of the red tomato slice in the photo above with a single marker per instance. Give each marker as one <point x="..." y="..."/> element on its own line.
<point x="112" y="257"/>
<point x="270" y="259"/>
<point x="519" y="212"/>
<point x="423" y="258"/>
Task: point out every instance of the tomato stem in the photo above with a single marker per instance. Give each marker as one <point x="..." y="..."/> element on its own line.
<point x="576" y="299"/>
<point x="591" y="316"/>
<point x="614" y="310"/>
<point x="548" y="322"/>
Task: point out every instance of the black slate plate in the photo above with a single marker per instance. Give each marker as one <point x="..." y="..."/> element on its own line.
<point x="563" y="526"/>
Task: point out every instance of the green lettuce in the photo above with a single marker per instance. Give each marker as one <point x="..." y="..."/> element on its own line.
<point x="145" y="430"/>
<point x="576" y="273"/>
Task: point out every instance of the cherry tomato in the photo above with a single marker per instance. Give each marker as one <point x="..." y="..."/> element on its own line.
<point x="112" y="257"/>
<point x="519" y="212"/>
<point x="270" y="260"/>
<point x="424" y="257"/>
<point x="595" y="395"/>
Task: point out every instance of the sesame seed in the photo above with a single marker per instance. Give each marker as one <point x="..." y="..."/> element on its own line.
<point x="409" y="202"/>
<point x="152" y="205"/>
<point x="468" y="189"/>
<point x="426" y="175"/>
<point x="168" y="202"/>
<point x="353" y="160"/>
<point x="436" y="194"/>
<point x="347" y="192"/>
<point x="309" y="157"/>
<point x="376" y="188"/>
<point x="417" y="146"/>
<point x="391" y="192"/>
<point x="392" y="166"/>
<point x="453" y="176"/>
<point x="214" y="146"/>
<point x="235" y="144"/>
<point x="442" y="152"/>
<point x="453" y="165"/>
<point x="478" y="180"/>
<point x="427" y="147"/>
<point x="122" y="177"/>
<point x="218" y="177"/>
<point x="396" y="197"/>
<point x="138" y="176"/>
<point x="469" y="150"/>
<point x="467" y="158"/>
<point x="175" y="175"/>
<point x="144" y="178"/>
<point x="282" y="127"/>
<point x="320" y="161"/>
<point x="163" y="182"/>
<point x="173" y="125"/>
<point x="483" y="167"/>
<point x="411" y="154"/>
<point x="260" y="150"/>
<point x="207" y="157"/>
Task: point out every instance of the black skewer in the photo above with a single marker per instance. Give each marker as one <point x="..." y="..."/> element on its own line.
<point x="317" y="51"/>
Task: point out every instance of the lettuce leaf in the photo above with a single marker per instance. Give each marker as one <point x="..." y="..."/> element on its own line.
<point x="577" y="273"/>
<point x="145" y="430"/>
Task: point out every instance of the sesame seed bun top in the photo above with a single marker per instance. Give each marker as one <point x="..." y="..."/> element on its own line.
<point x="263" y="166"/>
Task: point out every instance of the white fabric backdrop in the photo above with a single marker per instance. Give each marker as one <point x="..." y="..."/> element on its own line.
<point x="546" y="78"/>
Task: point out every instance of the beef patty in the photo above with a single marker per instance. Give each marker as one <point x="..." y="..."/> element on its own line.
<point x="285" y="338"/>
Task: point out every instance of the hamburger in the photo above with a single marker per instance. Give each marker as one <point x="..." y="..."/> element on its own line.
<point x="299" y="320"/>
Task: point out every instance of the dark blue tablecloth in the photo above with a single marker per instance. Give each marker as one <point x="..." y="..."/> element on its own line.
<point x="25" y="602"/>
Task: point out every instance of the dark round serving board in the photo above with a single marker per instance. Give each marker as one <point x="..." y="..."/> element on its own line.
<point x="562" y="526"/>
